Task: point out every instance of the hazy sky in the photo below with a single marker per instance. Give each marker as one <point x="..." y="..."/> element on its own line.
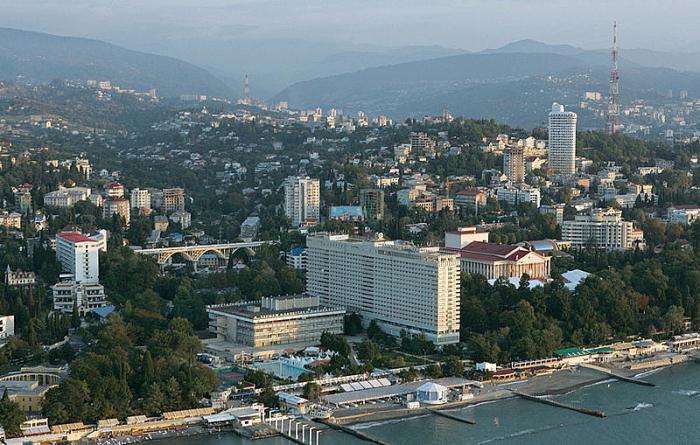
<point x="467" y="24"/>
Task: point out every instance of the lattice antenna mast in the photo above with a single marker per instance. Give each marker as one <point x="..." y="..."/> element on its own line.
<point x="246" y="90"/>
<point x="613" y="100"/>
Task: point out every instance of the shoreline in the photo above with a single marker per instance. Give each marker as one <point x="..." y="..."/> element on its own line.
<point x="558" y="383"/>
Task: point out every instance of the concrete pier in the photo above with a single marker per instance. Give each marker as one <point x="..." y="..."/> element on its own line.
<point x="451" y="416"/>
<point x="358" y="434"/>
<point x="613" y="374"/>
<point x="586" y="411"/>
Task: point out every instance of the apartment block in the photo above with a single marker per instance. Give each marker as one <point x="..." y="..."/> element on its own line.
<point x="602" y="229"/>
<point x="302" y="200"/>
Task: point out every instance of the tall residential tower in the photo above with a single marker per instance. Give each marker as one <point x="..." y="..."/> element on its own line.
<point x="302" y="200"/>
<point x="514" y="164"/>
<point x="562" y="140"/>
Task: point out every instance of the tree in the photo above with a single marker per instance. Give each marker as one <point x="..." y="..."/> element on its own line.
<point x="11" y="416"/>
<point x="673" y="321"/>
<point x="408" y="375"/>
<point x="312" y="391"/>
<point x="335" y="343"/>
<point x="268" y="397"/>
<point x="154" y="401"/>
<point x="368" y="351"/>
<point x="352" y="324"/>
<point x="452" y="367"/>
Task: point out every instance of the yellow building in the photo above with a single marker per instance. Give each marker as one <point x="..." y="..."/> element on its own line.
<point x="10" y="220"/>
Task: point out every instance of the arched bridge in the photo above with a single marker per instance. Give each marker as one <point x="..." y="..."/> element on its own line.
<point x="194" y="253"/>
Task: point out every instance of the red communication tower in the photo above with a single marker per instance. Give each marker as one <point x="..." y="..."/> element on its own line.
<point x="613" y="100"/>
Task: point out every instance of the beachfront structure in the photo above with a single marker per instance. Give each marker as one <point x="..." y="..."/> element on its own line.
<point x="602" y="229"/>
<point x="398" y="285"/>
<point x="685" y="342"/>
<point x="274" y="321"/>
<point x="302" y="200"/>
<point x="431" y="393"/>
<point x="562" y="140"/>
<point x="495" y="261"/>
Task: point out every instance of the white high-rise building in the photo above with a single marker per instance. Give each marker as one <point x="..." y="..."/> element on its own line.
<point x="79" y="255"/>
<point x="140" y="199"/>
<point x="562" y="140"/>
<point x="302" y="200"/>
<point x="398" y="285"/>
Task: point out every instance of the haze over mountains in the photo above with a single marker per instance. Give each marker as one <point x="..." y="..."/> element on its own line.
<point x="513" y="83"/>
<point x="43" y="57"/>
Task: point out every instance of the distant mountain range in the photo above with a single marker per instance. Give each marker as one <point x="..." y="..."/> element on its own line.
<point x="515" y="83"/>
<point x="42" y="57"/>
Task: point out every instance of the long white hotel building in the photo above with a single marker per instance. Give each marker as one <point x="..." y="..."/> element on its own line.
<point x="400" y="286"/>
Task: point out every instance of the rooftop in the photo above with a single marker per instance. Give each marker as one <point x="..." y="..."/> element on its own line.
<point x="75" y="237"/>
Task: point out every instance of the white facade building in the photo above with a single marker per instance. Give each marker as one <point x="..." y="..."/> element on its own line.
<point x="140" y="199"/>
<point x="302" y="200"/>
<point x="85" y="297"/>
<point x="465" y="235"/>
<point x="7" y="326"/>
<point x="519" y="195"/>
<point x="562" y="140"/>
<point x="398" y="285"/>
<point x="79" y="255"/>
<point x="602" y="229"/>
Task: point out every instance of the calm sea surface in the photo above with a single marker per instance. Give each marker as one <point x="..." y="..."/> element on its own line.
<point x="666" y="414"/>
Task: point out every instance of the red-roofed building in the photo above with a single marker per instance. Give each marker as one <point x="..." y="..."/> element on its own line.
<point x="502" y="260"/>
<point x="79" y="255"/>
<point x="115" y="190"/>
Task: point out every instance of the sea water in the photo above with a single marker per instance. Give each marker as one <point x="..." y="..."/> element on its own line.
<point x="668" y="413"/>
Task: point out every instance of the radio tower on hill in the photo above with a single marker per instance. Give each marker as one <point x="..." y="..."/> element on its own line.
<point x="246" y="91"/>
<point x="613" y="104"/>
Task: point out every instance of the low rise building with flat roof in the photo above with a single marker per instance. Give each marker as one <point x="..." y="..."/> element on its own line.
<point x="274" y="321"/>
